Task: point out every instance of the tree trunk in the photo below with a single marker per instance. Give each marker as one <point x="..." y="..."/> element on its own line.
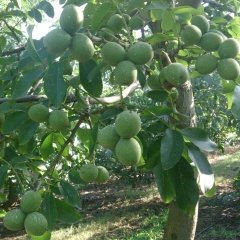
<point x="181" y="226"/>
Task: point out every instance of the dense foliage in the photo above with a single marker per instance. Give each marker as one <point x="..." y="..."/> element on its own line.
<point x="100" y="91"/>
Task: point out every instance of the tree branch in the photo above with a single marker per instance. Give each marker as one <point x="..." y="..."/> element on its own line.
<point x="103" y="100"/>
<point x="13" y="51"/>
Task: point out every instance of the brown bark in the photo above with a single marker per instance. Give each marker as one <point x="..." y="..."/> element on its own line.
<point x="181" y="226"/>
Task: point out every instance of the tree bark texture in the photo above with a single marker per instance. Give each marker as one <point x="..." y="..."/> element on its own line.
<point x="181" y="226"/>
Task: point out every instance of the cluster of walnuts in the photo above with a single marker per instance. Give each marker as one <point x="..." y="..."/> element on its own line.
<point x="58" y="40"/>
<point x="57" y="119"/>
<point x="220" y="51"/>
<point x="121" y="138"/>
<point x="27" y="216"/>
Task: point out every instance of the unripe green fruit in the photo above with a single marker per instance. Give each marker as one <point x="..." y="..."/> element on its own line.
<point x="107" y="34"/>
<point x="88" y="172"/>
<point x="38" y="113"/>
<point x="71" y="18"/>
<point x="201" y="22"/>
<point x="82" y="48"/>
<point x="140" y="53"/>
<point x="14" y="220"/>
<point x="125" y="73"/>
<point x="58" y="120"/>
<point x="211" y="41"/>
<point x="206" y="64"/>
<point x="36" y="224"/>
<point x="113" y="53"/>
<point x="115" y="23"/>
<point x="136" y="23"/>
<point x="31" y="201"/>
<point x="228" y="69"/>
<point x="219" y="33"/>
<point x="108" y="137"/>
<point x="103" y="175"/>
<point x="229" y="48"/>
<point x="154" y="82"/>
<point x="126" y="18"/>
<point x="176" y="74"/>
<point x="128" y="151"/>
<point x="128" y="124"/>
<point x="191" y="35"/>
<point x="57" y="41"/>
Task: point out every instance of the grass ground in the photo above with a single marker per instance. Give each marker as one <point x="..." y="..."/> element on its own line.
<point x="121" y="212"/>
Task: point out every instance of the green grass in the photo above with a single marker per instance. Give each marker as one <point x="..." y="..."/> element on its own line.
<point x="227" y="167"/>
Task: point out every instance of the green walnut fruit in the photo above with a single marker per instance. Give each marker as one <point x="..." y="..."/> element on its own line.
<point x="228" y="69"/>
<point x="14" y="220"/>
<point x="125" y="73"/>
<point x="113" y="53"/>
<point x="115" y="23"/>
<point x="140" y="53"/>
<point x="38" y="113"/>
<point x="201" y="22"/>
<point x="71" y="18"/>
<point x="191" y="35"/>
<point x="103" y="175"/>
<point x="82" y="48"/>
<point x="206" y="64"/>
<point x="128" y="151"/>
<point x="229" y="48"/>
<point x="126" y="18"/>
<point x="211" y="41"/>
<point x="31" y="201"/>
<point x="57" y="41"/>
<point x="108" y="137"/>
<point x="128" y="124"/>
<point x="136" y="23"/>
<point x="154" y="82"/>
<point x="176" y="74"/>
<point x="36" y="224"/>
<point x="58" y="120"/>
<point x="88" y="172"/>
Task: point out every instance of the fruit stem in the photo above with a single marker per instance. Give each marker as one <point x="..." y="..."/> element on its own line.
<point x="125" y="23"/>
<point x="16" y="174"/>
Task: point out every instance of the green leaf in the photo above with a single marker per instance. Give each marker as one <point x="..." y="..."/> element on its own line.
<point x="102" y="14"/>
<point x="199" y="138"/>
<point x="165" y="183"/>
<point x="153" y="155"/>
<point x="45" y="236"/>
<point x="47" y="8"/>
<point x="24" y="84"/>
<point x="49" y="209"/>
<point x="157" y="95"/>
<point x="90" y="77"/>
<point x="46" y="148"/>
<point x="206" y="176"/>
<point x="168" y="21"/>
<point x="172" y="146"/>
<point x="3" y="174"/>
<point x="187" y="9"/>
<point x="236" y="103"/>
<point x="3" y="42"/>
<point x="36" y="14"/>
<point x="70" y="194"/>
<point x="54" y="84"/>
<point x="141" y="77"/>
<point x="187" y="192"/>
<point x="74" y="177"/>
<point x="13" y="121"/>
<point x="27" y="131"/>
<point x="32" y="51"/>
<point x="67" y="213"/>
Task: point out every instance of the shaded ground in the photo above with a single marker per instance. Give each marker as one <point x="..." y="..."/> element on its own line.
<point x="116" y="211"/>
